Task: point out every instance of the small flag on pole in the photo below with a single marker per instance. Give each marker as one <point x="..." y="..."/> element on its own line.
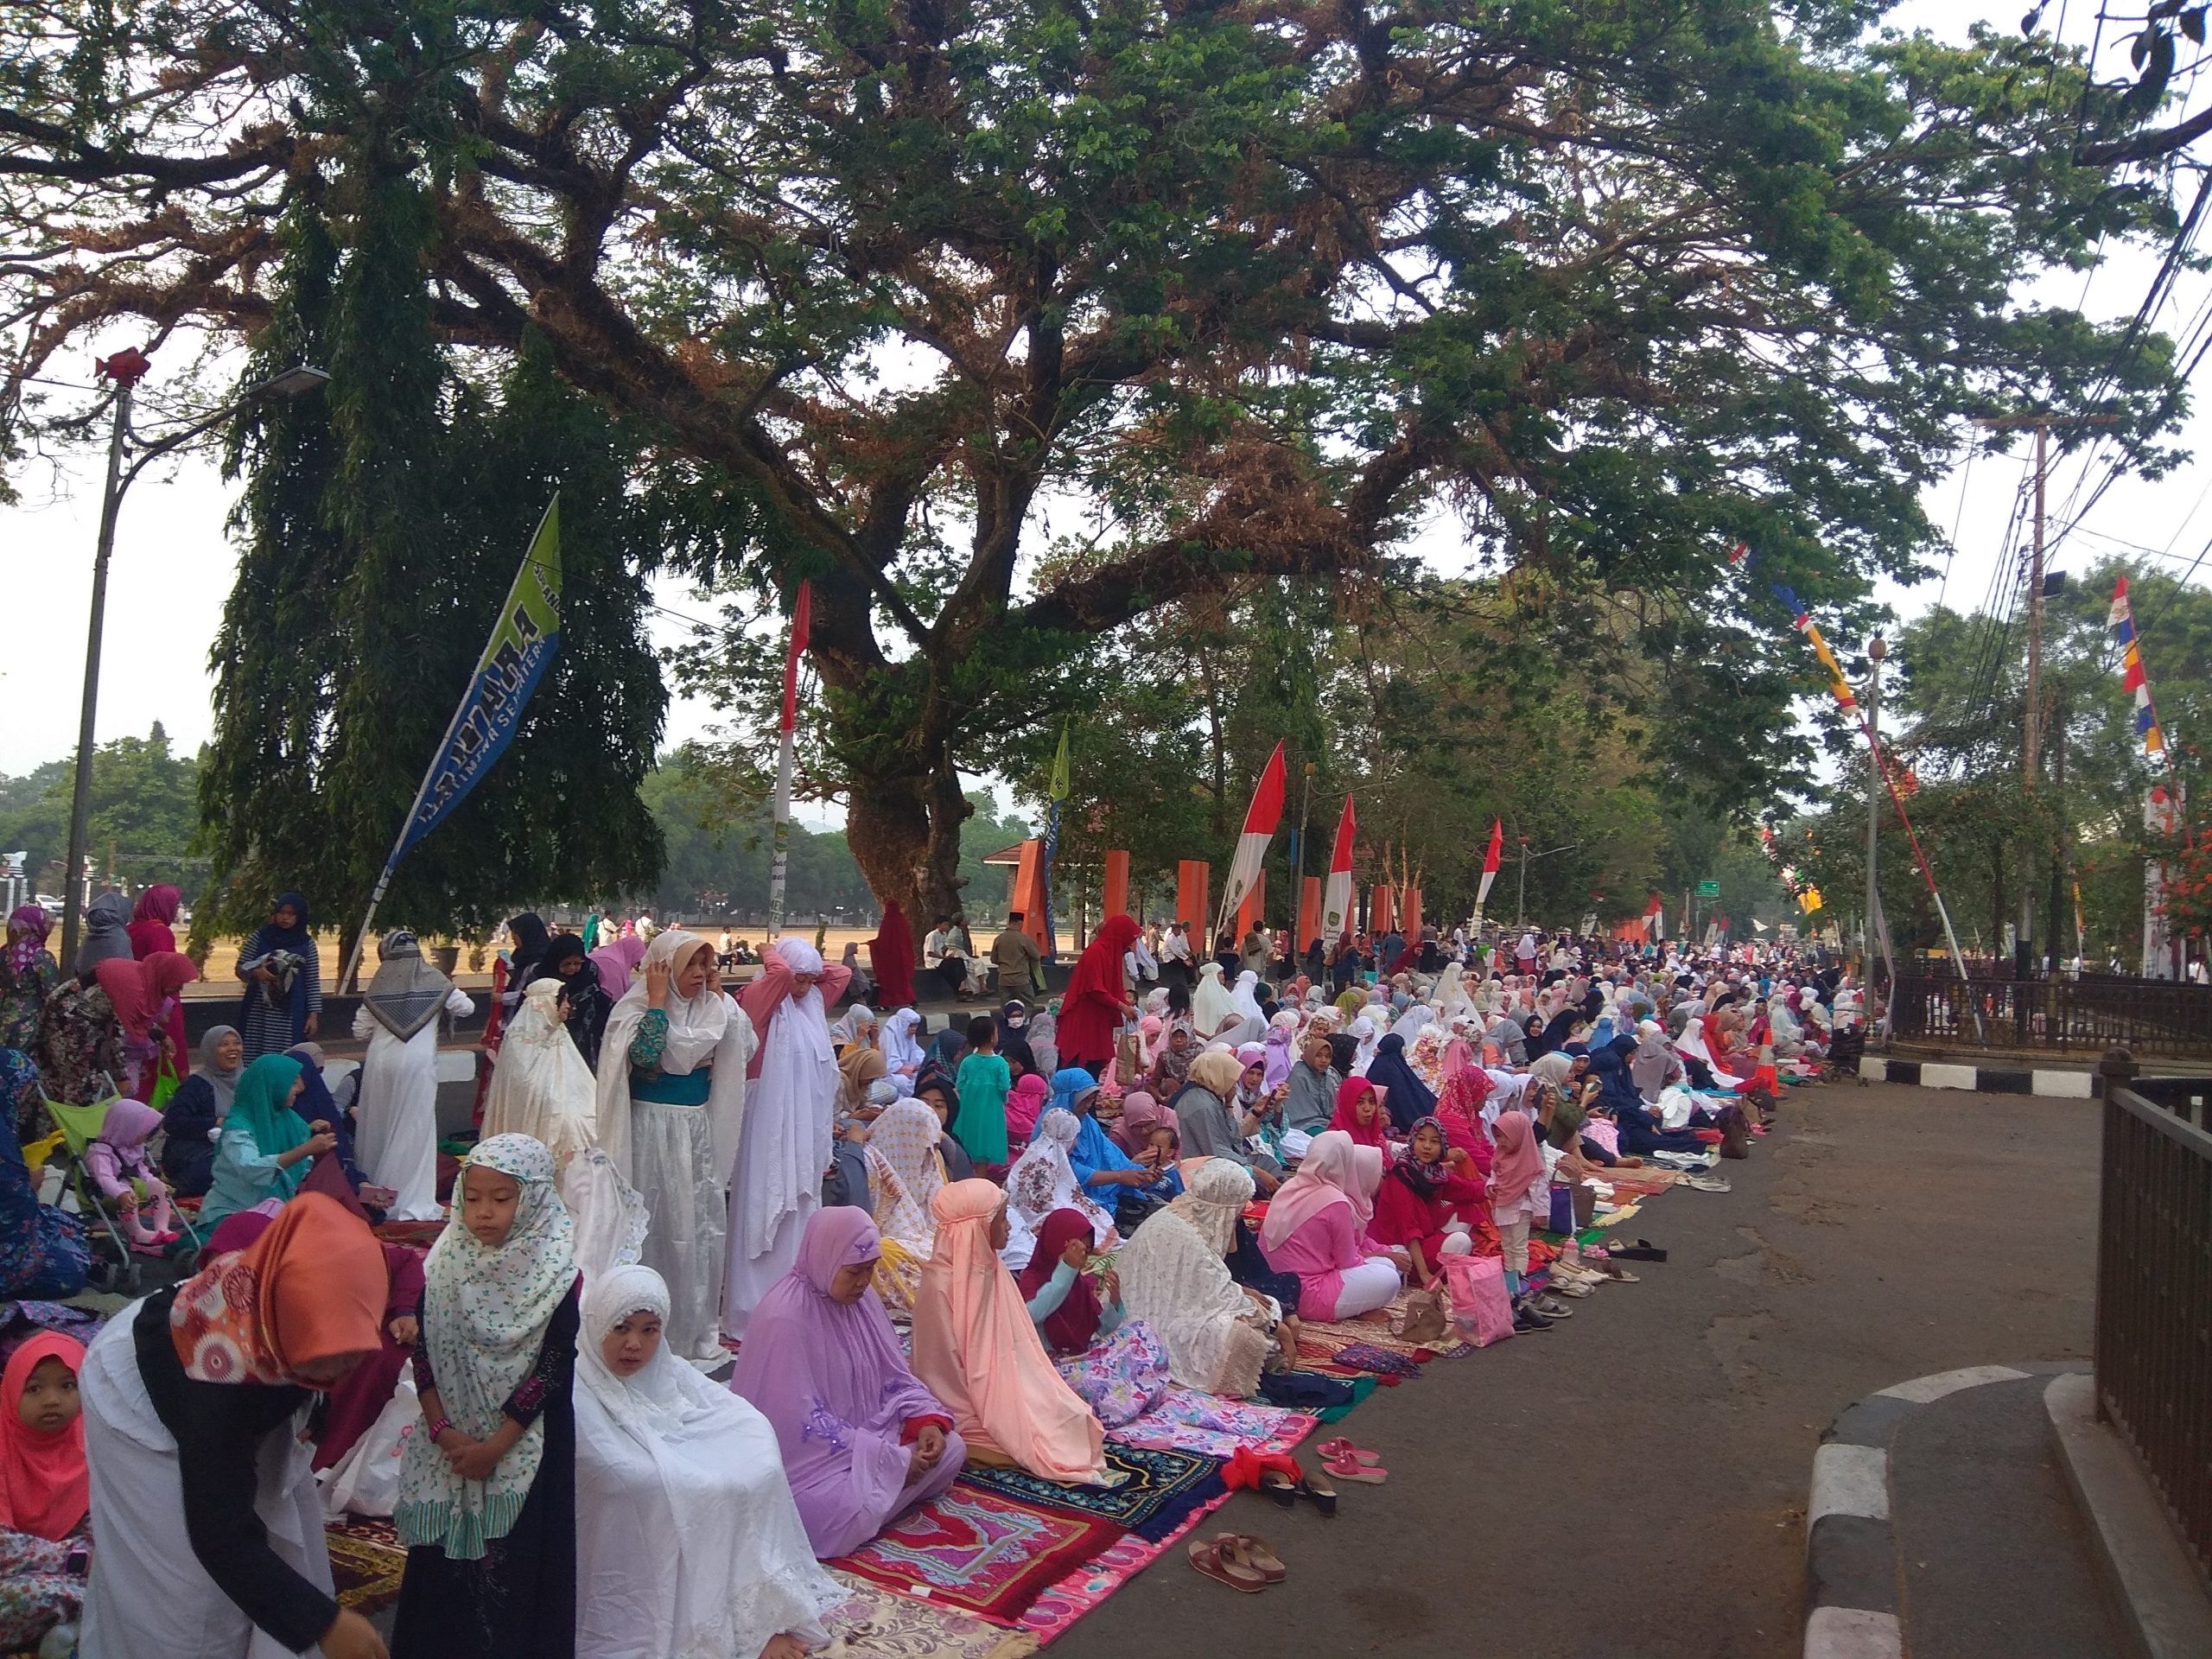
<point x="1491" y="860"/>
<point x="1259" y="821"/>
<point x="1059" y="786"/>
<point x="1336" y="895"/>
<point x="2132" y="679"/>
<point x="780" y="854"/>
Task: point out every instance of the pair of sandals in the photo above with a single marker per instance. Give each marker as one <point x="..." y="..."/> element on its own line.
<point x="1239" y="1560"/>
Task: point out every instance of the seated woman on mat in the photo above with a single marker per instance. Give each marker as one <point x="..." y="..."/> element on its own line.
<point x="1315" y="1225"/>
<point x="1115" y="1364"/>
<point x="1432" y="1186"/>
<point x="977" y="1350"/>
<point x="863" y="1440"/>
<point x="1175" y="1278"/>
<point x="266" y="1148"/>
<point x="688" y="1541"/>
<point x="194" y="1116"/>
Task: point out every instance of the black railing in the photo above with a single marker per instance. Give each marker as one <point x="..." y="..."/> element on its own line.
<point x="2147" y="1016"/>
<point x="2154" y="1287"/>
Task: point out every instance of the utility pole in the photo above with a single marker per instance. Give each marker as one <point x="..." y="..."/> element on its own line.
<point x="2032" y="709"/>
<point x="1876" y="649"/>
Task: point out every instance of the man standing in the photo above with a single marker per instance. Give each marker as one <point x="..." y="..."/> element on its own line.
<point x="791" y="1114"/>
<point x="1019" y="962"/>
<point x="1254" y="952"/>
<point x="1175" y="955"/>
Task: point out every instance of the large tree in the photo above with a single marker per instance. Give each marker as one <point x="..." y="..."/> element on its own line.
<point x="1224" y="290"/>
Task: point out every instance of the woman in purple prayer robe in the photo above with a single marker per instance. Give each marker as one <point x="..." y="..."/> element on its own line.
<point x="861" y="1439"/>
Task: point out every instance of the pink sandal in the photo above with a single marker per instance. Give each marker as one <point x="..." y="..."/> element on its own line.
<point x="1352" y="1469"/>
<point x="1343" y="1451"/>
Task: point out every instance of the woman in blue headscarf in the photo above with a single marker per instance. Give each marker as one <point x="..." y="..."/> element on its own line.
<point x="1643" y="1130"/>
<point x="283" y="981"/>
<point x="1405" y="1096"/>
<point x="1110" y="1176"/>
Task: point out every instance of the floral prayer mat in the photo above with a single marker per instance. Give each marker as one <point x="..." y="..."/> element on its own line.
<point x="879" y="1624"/>
<point x="1156" y="1492"/>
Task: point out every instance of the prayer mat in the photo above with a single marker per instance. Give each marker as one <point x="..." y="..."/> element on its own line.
<point x="1190" y="1420"/>
<point x="880" y="1624"/>
<point x="1362" y="1386"/>
<point x="420" y="1234"/>
<point x="980" y="1552"/>
<point x="366" y="1561"/>
<point x="1366" y="1357"/>
<point x="1158" y="1491"/>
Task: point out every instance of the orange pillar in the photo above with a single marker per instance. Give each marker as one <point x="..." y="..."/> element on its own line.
<point x="1412" y="908"/>
<point x="1029" y="894"/>
<point x="1252" y="906"/>
<point x="1115" y="901"/>
<point x="1380" y="910"/>
<point x="1193" y="877"/>
<point x="1309" y="916"/>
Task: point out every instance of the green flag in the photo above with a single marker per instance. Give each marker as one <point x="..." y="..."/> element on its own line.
<point x="1059" y="789"/>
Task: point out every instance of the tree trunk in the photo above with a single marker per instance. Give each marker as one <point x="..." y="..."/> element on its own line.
<point x="904" y="830"/>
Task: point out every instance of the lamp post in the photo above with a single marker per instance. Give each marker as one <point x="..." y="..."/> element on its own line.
<point x="1521" y="904"/>
<point x="126" y="368"/>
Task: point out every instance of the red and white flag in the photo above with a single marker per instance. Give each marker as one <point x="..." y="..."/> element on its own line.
<point x="780" y="855"/>
<point x="1655" y="914"/>
<point x="1259" y="821"/>
<point x="1336" y="895"/>
<point x="1489" y="866"/>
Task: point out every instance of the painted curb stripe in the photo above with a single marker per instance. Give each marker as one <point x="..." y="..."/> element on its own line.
<point x="1852" y="1633"/>
<point x="1850" y="1480"/>
<point x="1926" y="1390"/>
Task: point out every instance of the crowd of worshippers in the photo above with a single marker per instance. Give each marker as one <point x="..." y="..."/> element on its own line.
<point x="987" y="1244"/>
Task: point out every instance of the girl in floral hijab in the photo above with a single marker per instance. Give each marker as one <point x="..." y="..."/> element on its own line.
<point x="487" y="1487"/>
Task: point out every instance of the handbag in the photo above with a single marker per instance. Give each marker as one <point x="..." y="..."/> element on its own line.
<point x="1561" y="1219"/>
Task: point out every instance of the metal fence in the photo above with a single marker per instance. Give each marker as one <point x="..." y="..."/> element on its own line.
<point x="2146" y="1016"/>
<point x="2154" y="1288"/>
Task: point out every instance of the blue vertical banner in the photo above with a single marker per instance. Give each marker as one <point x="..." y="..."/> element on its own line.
<point x="524" y="636"/>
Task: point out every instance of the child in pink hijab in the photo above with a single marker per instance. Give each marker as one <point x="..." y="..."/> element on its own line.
<point x="1023" y="1107"/>
<point x="117" y="1163"/>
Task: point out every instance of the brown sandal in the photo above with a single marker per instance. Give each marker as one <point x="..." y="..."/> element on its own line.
<point x="1214" y="1561"/>
<point x="1259" y="1554"/>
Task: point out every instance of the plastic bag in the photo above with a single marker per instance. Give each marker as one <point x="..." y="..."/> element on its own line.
<point x="1480" y="1306"/>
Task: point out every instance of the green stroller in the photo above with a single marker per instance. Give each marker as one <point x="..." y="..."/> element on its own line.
<point x="116" y="1267"/>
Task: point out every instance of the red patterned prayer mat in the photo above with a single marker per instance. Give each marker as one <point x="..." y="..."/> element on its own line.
<point x="980" y="1552"/>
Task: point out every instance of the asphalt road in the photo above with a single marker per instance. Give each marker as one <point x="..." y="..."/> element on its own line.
<point x="1632" y="1485"/>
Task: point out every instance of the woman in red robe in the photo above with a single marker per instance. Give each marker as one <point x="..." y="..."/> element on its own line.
<point x="1097" y="998"/>
<point x="891" y="958"/>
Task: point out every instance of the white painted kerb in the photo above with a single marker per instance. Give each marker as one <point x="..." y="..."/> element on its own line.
<point x="1850" y="1480"/>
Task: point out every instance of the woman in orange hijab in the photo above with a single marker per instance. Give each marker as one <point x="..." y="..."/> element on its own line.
<point x="203" y="1498"/>
<point x="977" y="1350"/>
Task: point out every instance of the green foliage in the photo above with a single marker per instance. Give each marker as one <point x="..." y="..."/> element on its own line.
<point x="382" y="524"/>
<point x="1249" y="293"/>
<point x="143" y="816"/>
<point x="1956" y="692"/>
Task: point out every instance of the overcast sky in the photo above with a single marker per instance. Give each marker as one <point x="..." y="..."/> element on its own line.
<point x="174" y="563"/>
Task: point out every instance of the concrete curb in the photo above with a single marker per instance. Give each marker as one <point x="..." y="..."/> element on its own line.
<point x="1981" y="1079"/>
<point x="2156" y="1587"/>
<point x="1852" y="1602"/>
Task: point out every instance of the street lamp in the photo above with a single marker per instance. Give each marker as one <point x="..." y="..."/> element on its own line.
<point x="1521" y="903"/>
<point x="126" y="368"/>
